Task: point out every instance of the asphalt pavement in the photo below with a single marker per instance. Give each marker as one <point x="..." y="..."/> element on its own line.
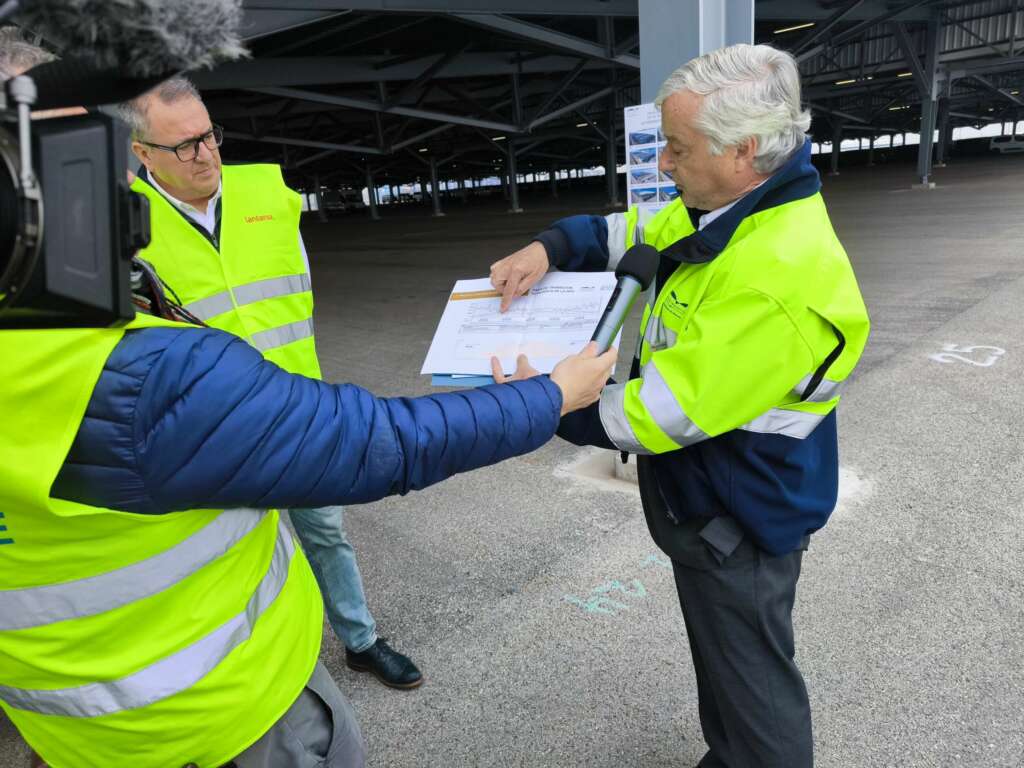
<point x="545" y="620"/>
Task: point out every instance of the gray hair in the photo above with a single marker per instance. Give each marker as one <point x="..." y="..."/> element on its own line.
<point x="750" y="91"/>
<point x="17" y="55"/>
<point x="135" y="112"/>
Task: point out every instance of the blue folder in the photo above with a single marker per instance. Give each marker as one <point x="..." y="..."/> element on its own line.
<point x="463" y="382"/>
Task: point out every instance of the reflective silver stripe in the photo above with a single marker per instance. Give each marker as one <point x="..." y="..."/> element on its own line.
<point x="650" y="331"/>
<point x="659" y="336"/>
<point x="643" y="216"/>
<point x="616" y="239"/>
<point x="271" y="288"/>
<point x="657" y="397"/>
<point x="780" y="421"/>
<point x="825" y="391"/>
<point x="282" y="334"/>
<point x="211" y="306"/>
<point x="650" y="297"/>
<point x="613" y="418"/>
<point x="38" y="606"/>
<point x="259" y="290"/>
<point x="172" y="674"/>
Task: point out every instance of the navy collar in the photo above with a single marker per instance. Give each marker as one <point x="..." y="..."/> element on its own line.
<point x="795" y="180"/>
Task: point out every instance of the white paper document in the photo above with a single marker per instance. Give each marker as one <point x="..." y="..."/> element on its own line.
<point x="557" y="318"/>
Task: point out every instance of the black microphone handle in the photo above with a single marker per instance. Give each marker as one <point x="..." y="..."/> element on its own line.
<point x="625" y="293"/>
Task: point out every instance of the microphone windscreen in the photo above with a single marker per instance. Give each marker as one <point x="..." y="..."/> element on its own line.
<point x="139" y="39"/>
<point x="641" y="263"/>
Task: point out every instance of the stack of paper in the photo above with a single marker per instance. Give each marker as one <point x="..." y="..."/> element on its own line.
<point x="555" y="319"/>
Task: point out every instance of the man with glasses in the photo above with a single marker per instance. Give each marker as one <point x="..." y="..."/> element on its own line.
<point x="226" y="242"/>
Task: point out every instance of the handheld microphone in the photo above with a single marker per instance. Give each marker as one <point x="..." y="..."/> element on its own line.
<point x="635" y="273"/>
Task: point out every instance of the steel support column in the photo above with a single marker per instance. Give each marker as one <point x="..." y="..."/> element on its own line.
<point x="554" y="182"/>
<point x="871" y="152"/>
<point x="606" y="34"/>
<point x="929" y="103"/>
<point x="940" y="149"/>
<point x="610" y="163"/>
<point x="837" y="145"/>
<point x="435" y="190"/>
<point x="513" y="183"/>
<point x="929" y="108"/>
<point x="673" y="32"/>
<point x="371" y="194"/>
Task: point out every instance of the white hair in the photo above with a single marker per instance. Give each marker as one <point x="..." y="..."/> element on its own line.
<point x="750" y="91"/>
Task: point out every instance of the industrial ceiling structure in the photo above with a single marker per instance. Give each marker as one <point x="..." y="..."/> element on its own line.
<point x="375" y="92"/>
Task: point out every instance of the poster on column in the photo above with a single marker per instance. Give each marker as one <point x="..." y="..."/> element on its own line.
<point x="646" y="186"/>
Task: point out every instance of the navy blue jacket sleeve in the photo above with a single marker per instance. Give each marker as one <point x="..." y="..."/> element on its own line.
<point x="584" y="427"/>
<point x="196" y="418"/>
<point x="577" y="244"/>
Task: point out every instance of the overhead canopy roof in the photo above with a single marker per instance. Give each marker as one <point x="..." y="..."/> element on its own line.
<point x="341" y="86"/>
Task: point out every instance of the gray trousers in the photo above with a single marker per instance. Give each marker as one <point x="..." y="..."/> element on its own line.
<point x="318" y="731"/>
<point x="737" y="603"/>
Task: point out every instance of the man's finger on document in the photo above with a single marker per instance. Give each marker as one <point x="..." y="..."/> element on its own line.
<point x="590" y="350"/>
<point x="499" y="375"/>
<point x="510" y="291"/>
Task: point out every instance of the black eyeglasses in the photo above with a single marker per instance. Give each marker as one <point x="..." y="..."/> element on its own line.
<point x="188" y="150"/>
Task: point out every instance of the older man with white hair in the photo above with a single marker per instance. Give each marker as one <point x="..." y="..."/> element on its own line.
<point x="750" y="332"/>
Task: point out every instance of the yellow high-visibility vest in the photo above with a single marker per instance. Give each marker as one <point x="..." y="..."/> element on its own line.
<point x="129" y="640"/>
<point x="253" y="282"/>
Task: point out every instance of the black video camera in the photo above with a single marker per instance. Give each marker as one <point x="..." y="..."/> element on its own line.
<point x="69" y="224"/>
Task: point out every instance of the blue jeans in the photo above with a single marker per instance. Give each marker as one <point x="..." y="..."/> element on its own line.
<point x="334" y="564"/>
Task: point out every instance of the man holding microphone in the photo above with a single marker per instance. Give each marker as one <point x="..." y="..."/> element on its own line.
<point x="153" y="610"/>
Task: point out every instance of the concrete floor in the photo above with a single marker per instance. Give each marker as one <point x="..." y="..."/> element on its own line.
<point x="912" y="600"/>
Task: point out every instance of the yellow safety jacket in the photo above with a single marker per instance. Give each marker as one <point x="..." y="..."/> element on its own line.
<point x="129" y="640"/>
<point x="747" y="339"/>
<point x="251" y="279"/>
<point x="736" y="342"/>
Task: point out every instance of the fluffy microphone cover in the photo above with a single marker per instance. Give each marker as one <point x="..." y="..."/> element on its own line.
<point x="139" y="38"/>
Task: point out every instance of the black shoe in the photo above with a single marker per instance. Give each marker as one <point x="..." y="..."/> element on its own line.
<point x="387" y="665"/>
